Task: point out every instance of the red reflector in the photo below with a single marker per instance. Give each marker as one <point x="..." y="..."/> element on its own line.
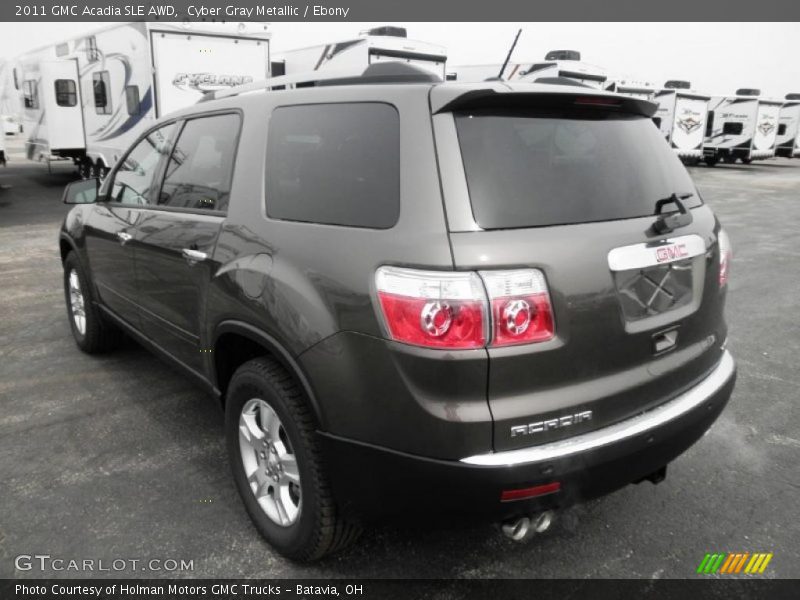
<point x="597" y="101"/>
<point x="531" y="492"/>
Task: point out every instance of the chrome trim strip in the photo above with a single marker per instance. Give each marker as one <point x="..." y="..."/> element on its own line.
<point x="629" y="428"/>
<point x="662" y="252"/>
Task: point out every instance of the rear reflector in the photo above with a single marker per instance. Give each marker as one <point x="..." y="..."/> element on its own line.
<point x="530" y="492"/>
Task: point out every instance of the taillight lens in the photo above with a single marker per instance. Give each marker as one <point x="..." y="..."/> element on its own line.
<point x="725" y="256"/>
<point x="433" y="309"/>
<point x="521" y="308"/>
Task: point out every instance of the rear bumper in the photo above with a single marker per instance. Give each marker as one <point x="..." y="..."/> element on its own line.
<point x="372" y="482"/>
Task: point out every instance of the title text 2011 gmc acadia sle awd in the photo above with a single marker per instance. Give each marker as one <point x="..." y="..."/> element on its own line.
<point x="415" y="297"/>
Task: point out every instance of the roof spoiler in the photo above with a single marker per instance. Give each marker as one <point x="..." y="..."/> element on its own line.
<point x="488" y="98"/>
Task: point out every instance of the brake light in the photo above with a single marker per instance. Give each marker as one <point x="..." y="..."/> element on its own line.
<point x="597" y="101"/>
<point x="725" y="256"/>
<point x="443" y="309"/>
<point x="433" y="309"/>
<point x="521" y="309"/>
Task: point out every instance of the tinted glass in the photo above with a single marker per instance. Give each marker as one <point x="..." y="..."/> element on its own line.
<point x="66" y="94"/>
<point x="530" y="170"/>
<point x="133" y="181"/>
<point x="101" y="86"/>
<point x="201" y="166"/>
<point x="337" y="164"/>
<point x="733" y="128"/>
<point x="132" y="99"/>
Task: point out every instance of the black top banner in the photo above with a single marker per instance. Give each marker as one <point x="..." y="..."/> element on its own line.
<point x="402" y="10"/>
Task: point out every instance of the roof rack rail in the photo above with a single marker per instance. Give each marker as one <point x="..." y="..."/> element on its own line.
<point x="378" y="73"/>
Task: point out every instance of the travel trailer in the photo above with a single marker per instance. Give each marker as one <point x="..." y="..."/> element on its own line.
<point x="86" y="99"/>
<point x="557" y="63"/>
<point x="743" y="126"/>
<point x="10" y="105"/>
<point x="372" y="46"/>
<point x="634" y="89"/>
<point x="787" y="142"/>
<point x="681" y="117"/>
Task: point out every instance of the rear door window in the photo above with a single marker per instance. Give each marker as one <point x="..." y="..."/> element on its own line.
<point x="531" y="169"/>
<point x="337" y="164"/>
<point x="199" y="171"/>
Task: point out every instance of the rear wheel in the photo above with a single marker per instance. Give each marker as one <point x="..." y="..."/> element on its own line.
<point x="747" y="161"/>
<point x="711" y="160"/>
<point x="92" y="332"/>
<point x="277" y="466"/>
<point x="729" y="158"/>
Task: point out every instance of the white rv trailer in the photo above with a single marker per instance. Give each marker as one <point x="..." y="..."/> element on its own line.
<point x="681" y="117"/>
<point x="787" y="142"/>
<point x="635" y="89"/>
<point x="88" y="98"/>
<point x="743" y="126"/>
<point x="557" y="63"/>
<point x="372" y="46"/>
<point x="10" y="103"/>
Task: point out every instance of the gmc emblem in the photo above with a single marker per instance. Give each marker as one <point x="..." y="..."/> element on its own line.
<point x="673" y="252"/>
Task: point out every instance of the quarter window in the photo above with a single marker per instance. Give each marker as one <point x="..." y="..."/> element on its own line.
<point x="133" y="180"/>
<point x="199" y="171"/>
<point x="101" y="84"/>
<point x="132" y="99"/>
<point x="337" y="164"/>
<point x="66" y="92"/>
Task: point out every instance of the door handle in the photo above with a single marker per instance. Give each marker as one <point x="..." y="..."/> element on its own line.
<point x="123" y="237"/>
<point x="193" y="256"/>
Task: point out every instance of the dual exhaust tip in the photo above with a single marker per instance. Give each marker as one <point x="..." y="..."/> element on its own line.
<point x="524" y="528"/>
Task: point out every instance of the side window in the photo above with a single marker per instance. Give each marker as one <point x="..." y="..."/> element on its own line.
<point x="134" y="180"/>
<point x="199" y="171"/>
<point x="710" y="123"/>
<point x="102" y="88"/>
<point x="30" y="93"/>
<point x="782" y="129"/>
<point x="132" y="99"/>
<point x="91" y="49"/>
<point x="337" y="164"/>
<point x="66" y="92"/>
<point x="732" y="128"/>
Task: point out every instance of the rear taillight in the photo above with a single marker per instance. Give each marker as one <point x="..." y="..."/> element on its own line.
<point x="451" y="310"/>
<point x="433" y="309"/>
<point x="521" y="310"/>
<point x="725" y="256"/>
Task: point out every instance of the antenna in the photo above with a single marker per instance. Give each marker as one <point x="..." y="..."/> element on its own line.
<point x="508" y="58"/>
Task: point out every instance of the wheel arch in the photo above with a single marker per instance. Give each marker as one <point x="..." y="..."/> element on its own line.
<point x="230" y="331"/>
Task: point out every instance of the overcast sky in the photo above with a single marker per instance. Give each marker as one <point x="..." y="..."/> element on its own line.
<point x="716" y="57"/>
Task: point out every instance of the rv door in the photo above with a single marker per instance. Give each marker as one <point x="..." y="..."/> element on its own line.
<point x="61" y="104"/>
<point x="188" y="65"/>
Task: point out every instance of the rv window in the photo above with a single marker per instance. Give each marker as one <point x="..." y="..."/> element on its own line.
<point x="30" y="93"/>
<point x="782" y="129"/>
<point x="132" y="99"/>
<point x="710" y="123"/>
<point x="66" y="93"/>
<point x="102" y="98"/>
<point x="541" y="168"/>
<point x="200" y="169"/>
<point x="91" y="49"/>
<point x="16" y="80"/>
<point x="732" y="128"/>
<point x="337" y="164"/>
<point x="133" y="180"/>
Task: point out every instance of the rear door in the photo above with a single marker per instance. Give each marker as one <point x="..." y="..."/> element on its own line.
<point x="61" y="100"/>
<point x="689" y="123"/>
<point x="572" y="193"/>
<point x="176" y="236"/>
<point x="766" y="126"/>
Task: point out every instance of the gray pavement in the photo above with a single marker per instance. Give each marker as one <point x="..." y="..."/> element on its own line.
<point x="120" y="457"/>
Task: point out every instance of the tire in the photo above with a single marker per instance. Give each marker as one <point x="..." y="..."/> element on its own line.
<point x="747" y="161"/>
<point x="711" y="161"/>
<point x="263" y="387"/>
<point x="729" y="159"/>
<point x="93" y="333"/>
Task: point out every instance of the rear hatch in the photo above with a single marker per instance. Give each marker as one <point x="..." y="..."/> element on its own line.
<point x="568" y="183"/>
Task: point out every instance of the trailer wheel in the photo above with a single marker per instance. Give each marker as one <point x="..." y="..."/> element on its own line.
<point x="711" y="161"/>
<point x="729" y="159"/>
<point x="747" y="161"/>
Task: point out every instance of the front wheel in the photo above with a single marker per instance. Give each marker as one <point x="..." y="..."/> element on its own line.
<point x="92" y="332"/>
<point x="277" y="465"/>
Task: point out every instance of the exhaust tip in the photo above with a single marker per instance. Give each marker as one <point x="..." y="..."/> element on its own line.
<point x="522" y="528"/>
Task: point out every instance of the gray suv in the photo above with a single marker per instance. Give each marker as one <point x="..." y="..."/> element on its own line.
<point x="413" y="297"/>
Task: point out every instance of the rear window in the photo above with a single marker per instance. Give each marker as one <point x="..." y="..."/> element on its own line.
<point x="337" y="164"/>
<point x="563" y="167"/>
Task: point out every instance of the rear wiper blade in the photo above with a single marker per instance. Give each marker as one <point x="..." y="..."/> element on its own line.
<point x="668" y="223"/>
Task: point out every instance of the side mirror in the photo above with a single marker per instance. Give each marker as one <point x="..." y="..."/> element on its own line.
<point x="81" y="192"/>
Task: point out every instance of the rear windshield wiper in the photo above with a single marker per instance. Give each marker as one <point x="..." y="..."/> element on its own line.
<point x="668" y="223"/>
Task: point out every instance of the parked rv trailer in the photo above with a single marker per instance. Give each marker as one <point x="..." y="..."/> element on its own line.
<point x="743" y="126"/>
<point x="10" y="102"/>
<point x="557" y="63"/>
<point x="88" y="98"/>
<point x="681" y="117"/>
<point x="787" y="142"/>
<point x="372" y="46"/>
<point x="642" y="91"/>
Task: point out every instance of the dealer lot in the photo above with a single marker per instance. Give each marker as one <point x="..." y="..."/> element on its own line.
<point x="120" y="457"/>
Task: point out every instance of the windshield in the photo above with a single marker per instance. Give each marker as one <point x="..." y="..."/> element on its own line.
<point x="560" y="167"/>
